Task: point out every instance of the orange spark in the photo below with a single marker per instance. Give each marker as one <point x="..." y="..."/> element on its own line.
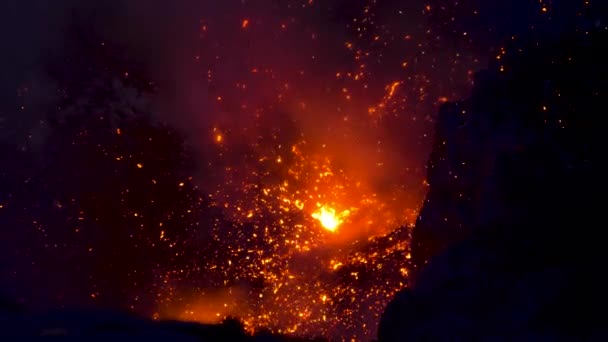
<point x="393" y="88"/>
<point x="245" y="23"/>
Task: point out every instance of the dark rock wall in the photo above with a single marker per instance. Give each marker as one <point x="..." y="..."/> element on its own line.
<point x="508" y="243"/>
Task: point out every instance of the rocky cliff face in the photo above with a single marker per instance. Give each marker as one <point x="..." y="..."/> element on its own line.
<point x="507" y="242"/>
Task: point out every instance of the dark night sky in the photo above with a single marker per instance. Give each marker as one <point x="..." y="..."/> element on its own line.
<point x="111" y="117"/>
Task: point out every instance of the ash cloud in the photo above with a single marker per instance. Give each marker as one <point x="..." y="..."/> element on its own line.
<point x="196" y="52"/>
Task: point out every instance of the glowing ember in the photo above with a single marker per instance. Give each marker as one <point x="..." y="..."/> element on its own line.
<point x="329" y="219"/>
<point x="277" y="199"/>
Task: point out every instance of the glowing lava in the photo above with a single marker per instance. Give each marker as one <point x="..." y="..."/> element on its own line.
<point x="329" y="219"/>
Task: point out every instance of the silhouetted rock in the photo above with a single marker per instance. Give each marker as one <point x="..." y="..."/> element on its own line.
<point x="110" y="326"/>
<point x="507" y="245"/>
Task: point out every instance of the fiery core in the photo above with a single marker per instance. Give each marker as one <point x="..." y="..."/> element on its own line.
<point x="329" y="219"/>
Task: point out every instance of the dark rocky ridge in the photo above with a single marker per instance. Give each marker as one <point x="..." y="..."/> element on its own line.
<point x="18" y="325"/>
<point x="507" y="245"/>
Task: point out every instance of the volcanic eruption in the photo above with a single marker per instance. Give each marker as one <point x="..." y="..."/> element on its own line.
<point x="199" y="160"/>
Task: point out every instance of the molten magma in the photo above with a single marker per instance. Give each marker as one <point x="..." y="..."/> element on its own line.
<point x="329" y="219"/>
<point x="319" y="238"/>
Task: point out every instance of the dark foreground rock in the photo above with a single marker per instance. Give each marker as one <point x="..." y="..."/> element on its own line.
<point x="508" y="244"/>
<point x="17" y="325"/>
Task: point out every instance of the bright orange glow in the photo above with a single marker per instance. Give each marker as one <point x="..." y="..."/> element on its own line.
<point x="208" y="308"/>
<point x="245" y="23"/>
<point x="329" y="219"/>
<point x="300" y="201"/>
